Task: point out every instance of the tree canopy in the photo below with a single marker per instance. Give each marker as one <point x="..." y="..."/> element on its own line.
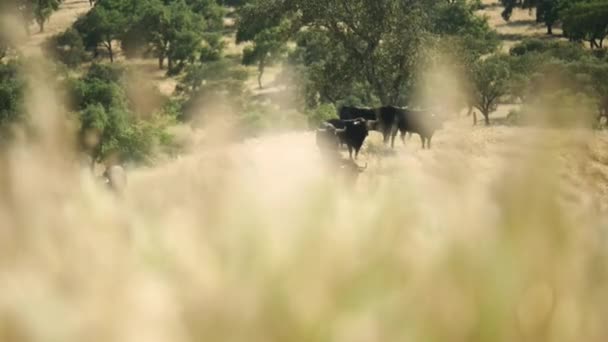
<point x="377" y="45"/>
<point x="587" y="21"/>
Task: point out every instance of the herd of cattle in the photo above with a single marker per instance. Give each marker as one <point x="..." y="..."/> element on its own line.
<point x="354" y="123"/>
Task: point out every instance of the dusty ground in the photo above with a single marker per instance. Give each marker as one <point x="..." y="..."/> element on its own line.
<point x="69" y="11"/>
<point x="521" y="25"/>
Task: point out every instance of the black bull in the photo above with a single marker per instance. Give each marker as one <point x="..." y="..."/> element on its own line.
<point x="350" y="132"/>
<point x="390" y="119"/>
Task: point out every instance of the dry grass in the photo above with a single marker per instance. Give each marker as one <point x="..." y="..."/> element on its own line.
<point x="496" y="234"/>
<point x="69" y="11"/>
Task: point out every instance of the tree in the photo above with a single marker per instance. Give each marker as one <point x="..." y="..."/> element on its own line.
<point x="104" y="24"/>
<point x="491" y="80"/>
<point x="210" y="11"/>
<point x="596" y="80"/>
<point x="464" y="39"/>
<point x="11" y="93"/>
<point x="108" y="124"/>
<point x="36" y="10"/>
<point x="547" y="11"/>
<point x="268" y="46"/>
<point x="587" y="21"/>
<point x="68" y="48"/>
<point x="325" y="73"/>
<point x="381" y="43"/>
<point x="174" y="31"/>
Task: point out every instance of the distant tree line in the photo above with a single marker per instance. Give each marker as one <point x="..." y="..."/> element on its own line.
<point x="582" y="20"/>
<point x="31" y="11"/>
<point x="176" y="32"/>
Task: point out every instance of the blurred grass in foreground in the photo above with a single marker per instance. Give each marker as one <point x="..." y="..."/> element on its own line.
<point x="236" y="246"/>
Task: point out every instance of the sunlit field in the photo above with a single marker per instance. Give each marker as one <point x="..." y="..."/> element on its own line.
<point x="497" y="233"/>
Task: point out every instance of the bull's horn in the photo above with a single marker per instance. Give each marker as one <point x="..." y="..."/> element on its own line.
<point x="340" y="130"/>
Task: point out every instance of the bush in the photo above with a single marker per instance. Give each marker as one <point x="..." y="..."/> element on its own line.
<point x="321" y="113"/>
<point x="565" y="51"/>
<point x="67" y="48"/>
<point x="11" y="93"/>
<point x="109" y="126"/>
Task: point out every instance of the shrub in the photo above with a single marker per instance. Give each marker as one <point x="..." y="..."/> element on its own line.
<point x="11" y="93"/>
<point x="109" y="125"/>
<point x="67" y="48"/>
<point x="321" y="113"/>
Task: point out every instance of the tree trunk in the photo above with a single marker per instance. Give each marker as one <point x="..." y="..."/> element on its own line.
<point x="474" y="118"/>
<point x="550" y="29"/>
<point x="593" y="43"/>
<point x="161" y="61"/>
<point x="170" y="63"/>
<point x="261" y="67"/>
<point x="110" y="51"/>
<point x="41" y="25"/>
<point x="486" y="117"/>
<point x="470" y="110"/>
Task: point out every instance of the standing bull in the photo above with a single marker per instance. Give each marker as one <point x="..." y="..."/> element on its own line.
<point x="416" y="121"/>
<point x="352" y="133"/>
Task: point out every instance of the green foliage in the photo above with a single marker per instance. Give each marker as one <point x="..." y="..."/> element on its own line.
<point x="38" y="11"/>
<point x="541" y="68"/>
<point x="211" y="51"/>
<point x="215" y="76"/>
<point x="269" y="38"/>
<point x="205" y="82"/>
<point x="587" y="21"/>
<point x="566" y="51"/>
<point x="210" y="11"/>
<point x="323" y="112"/>
<point x="595" y="77"/>
<point x="67" y="48"/>
<point x="491" y="82"/>
<point x="104" y="24"/>
<point x="268" y="47"/>
<point x="547" y="11"/>
<point x="108" y="124"/>
<point x="174" y="32"/>
<point x="11" y="94"/>
<point x="375" y="46"/>
<point x="327" y="75"/>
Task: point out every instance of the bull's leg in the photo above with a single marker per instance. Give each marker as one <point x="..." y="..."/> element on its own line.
<point x="356" y="153"/>
<point x="402" y="134"/>
<point x="350" y="152"/>
<point x="422" y="139"/>
<point x="393" y="135"/>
